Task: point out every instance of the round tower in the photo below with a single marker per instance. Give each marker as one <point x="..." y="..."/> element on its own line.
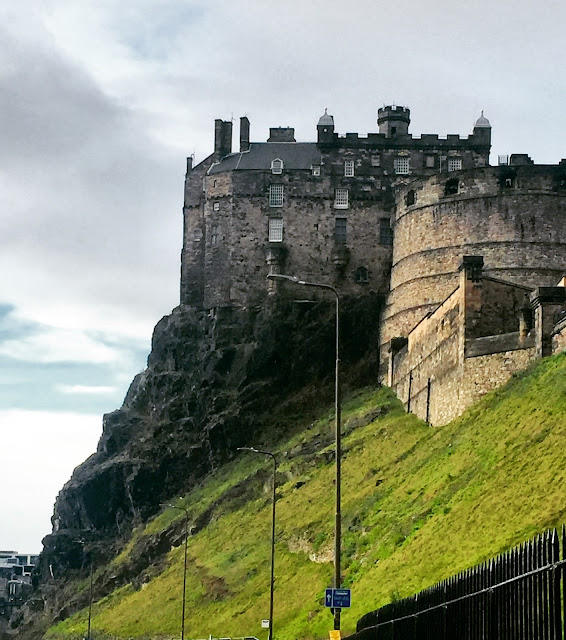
<point x="512" y="216"/>
<point x="394" y="121"/>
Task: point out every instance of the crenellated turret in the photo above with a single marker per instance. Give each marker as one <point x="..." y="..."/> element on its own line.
<point x="394" y="121"/>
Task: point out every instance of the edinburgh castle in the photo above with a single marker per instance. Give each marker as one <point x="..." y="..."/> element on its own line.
<point x="466" y="259"/>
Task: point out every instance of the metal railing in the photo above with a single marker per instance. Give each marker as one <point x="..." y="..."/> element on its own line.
<point x="518" y="595"/>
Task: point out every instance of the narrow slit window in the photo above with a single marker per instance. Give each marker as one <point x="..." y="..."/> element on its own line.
<point x="385" y="232"/>
<point x="340" y="230"/>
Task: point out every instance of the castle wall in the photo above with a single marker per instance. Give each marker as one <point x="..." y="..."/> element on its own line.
<point x="193" y="251"/>
<point x="467" y="346"/>
<point x="516" y="223"/>
<point x="237" y="209"/>
<point x="559" y="337"/>
<point x="226" y="250"/>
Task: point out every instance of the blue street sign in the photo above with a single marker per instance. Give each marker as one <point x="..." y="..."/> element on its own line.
<point x="337" y="598"/>
<point x="328" y="598"/>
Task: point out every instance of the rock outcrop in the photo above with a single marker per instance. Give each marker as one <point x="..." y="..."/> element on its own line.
<point x="214" y="382"/>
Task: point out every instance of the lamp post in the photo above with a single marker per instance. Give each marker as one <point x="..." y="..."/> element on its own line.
<point x="272" y="582"/>
<point x="338" y="430"/>
<point x="83" y="543"/>
<point x="172" y="506"/>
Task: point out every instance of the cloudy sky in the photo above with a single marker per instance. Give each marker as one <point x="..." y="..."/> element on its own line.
<point x="102" y="100"/>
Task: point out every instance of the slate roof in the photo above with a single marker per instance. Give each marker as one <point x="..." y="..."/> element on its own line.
<point x="295" y="155"/>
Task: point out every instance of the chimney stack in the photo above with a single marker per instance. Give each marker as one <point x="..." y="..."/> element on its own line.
<point x="244" y="134"/>
<point x="222" y="138"/>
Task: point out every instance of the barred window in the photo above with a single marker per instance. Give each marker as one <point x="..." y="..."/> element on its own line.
<point x="275" y="229"/>
<point x="275" y="195"/>
<point x="385" y="232"/>
<point x="349" y="168"/>
<point x="340" y="230"/>
<point x="454" y="164"/>
<point x="341" y="199"/>
<point x="401" y="165"/>
<point x="277" y="166"/>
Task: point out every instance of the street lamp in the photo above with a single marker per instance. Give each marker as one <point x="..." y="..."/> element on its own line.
<point x="83" y="543"/>
<point x="338" y="429"/>
<point x="272" y="583"/>
<point x="172" y="506"/>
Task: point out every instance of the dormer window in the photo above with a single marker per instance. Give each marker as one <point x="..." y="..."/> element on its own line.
<point x="277" y="166"/>
<point x="349" y="168"/>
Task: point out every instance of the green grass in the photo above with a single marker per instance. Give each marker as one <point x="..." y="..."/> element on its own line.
<point x="419" y="504"/>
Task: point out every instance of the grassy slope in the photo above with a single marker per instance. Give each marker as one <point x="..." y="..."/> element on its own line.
<point x="419" y="504"/>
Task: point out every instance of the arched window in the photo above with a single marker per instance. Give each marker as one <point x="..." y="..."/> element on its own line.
<point x="277" y="166"/>
<point x="411" y="197"/>
<point x="451" y="187"/>
<point x="362" y="275"/>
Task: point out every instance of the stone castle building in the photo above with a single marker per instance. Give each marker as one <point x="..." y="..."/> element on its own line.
<point x="457" y="250"/>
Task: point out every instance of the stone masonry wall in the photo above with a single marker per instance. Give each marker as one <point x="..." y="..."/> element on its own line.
<point x="426" y="374"/>
<point x="559" y="337"/>
<point x="451" y="360"/>
<point x="516" y="223"/>
<point x="237" y="243"/>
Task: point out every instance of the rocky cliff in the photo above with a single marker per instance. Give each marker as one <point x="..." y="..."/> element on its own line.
<point x="214" y="382"/>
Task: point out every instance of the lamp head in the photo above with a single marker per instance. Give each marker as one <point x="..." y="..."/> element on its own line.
<point x="281" y="276"/>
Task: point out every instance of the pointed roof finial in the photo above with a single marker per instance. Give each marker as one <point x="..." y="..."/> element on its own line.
<point x="482" y="122"/>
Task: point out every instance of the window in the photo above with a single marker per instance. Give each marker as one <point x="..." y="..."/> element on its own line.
<point x="275" y="195"/>
<point x="216" y="206"/>
<point x="341" y="199"/>
<point x="454" y="164"/>
<point x="376" y="160"/>
<point x="277" y="166"/>
<point x="362" y="275"/>
<point x="430" y="162"/>
<point x="411" y="197"/>
<point x="315" y="170"/>
<point x="197" y="235"/>
<point x="340" y="231"/>
<point x="214" y="235"/>
<point x="349" y="168"/>
<point x="275" y="229"/>
<point x="385" y="232"/>
<point x="451" y="187"/>
<point x="401" y="165"/>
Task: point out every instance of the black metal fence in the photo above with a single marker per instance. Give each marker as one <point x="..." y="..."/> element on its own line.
<point x="519" y="595"/>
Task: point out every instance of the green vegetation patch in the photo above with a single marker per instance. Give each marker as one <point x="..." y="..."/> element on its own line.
<point x="419" y="504"/>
